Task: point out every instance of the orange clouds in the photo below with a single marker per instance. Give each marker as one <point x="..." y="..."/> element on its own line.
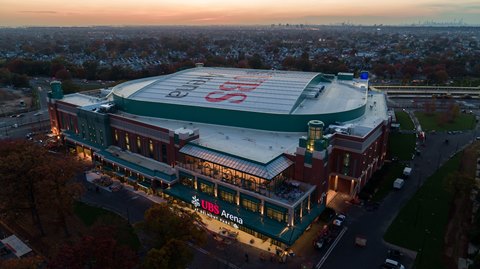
<point x="155" y="12"/>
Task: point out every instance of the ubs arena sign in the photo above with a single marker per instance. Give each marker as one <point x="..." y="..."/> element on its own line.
<point x="215" y="209"/>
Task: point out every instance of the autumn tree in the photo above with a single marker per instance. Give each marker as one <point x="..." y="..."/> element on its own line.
<point x="176" y="254"/>
<point x="62" y="191"/>
<point x="32" y="262"/>
<point x="169" y="230"/>
<point x="99" y="250"/>
<point x="430" y="106"/>
<point x="255" y="62"/>
<point x="35" y="181"/>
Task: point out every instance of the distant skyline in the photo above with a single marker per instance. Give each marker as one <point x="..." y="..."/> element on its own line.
<point x="215" y="12"/>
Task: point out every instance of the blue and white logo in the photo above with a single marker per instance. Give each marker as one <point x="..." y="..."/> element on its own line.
<point x="195" y="201"/>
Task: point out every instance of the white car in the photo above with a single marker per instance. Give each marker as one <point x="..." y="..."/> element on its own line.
<point x="392" y="264"/>
<point x="339" y="219"/>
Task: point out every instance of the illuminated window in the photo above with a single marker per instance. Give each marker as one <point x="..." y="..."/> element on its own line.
<point x="139" y="144"/>
<point x="150" y="148"/>
<point x="115" y="136"/>
<point x="252" y="206"/>
<point x="346" y="163"/>
<point x="275" y="214"/>
<point x="227" y="196"/>
<point x="346" y="160"/>
<point x="206" y="188"/>
<point x="127" y="141"/>
<point x="186" y="181"/>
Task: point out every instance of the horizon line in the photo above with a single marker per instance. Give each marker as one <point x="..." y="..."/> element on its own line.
<point x="426" y="24"/>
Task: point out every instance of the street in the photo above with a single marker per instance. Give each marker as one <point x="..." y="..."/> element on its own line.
<point x="374" y="224"/>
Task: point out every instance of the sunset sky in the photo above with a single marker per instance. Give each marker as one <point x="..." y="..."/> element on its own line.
<point x="214" y="12"/>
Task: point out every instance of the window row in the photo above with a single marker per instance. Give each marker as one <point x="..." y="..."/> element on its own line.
<point x="141" y="145"/>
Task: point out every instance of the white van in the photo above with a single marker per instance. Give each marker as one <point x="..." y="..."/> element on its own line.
<point x="392" y="264"/>
<point x="398" y="183"/>
<point x="407" y="171"/>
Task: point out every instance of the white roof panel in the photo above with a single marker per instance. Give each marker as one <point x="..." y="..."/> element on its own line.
<point x="269" y="91"/>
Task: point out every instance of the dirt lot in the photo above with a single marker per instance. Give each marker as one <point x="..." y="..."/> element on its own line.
<point x="10" y="101"/>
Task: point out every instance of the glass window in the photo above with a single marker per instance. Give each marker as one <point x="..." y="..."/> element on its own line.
<point x="186" y="181"/>
<point x="206" y="188"/>
<point x="150" y="148"/>
<point x="252" y="206"/>
<point x="115" y="136"/>
<point x="346" y="160"/>
<point x="127" y="141"/>
<point x="275" y="214"/>
<point x="139" y="144"/>
<point x="227" y="196"/>
<point x="346" y="163"/>
<point x="164" y="153"/>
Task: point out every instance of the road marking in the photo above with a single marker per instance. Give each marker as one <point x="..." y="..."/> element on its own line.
<point x="213" y="256"/>
<point x="324" y="258"/>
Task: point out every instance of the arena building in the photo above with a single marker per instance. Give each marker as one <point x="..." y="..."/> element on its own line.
<point x="260" y="150"/>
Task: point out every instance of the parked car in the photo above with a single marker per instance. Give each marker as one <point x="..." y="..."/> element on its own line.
<point x="392" y="264"/>
<point x="339" y="219"/>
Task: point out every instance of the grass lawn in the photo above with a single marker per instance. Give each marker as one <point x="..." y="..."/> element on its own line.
<point x="404" y="120"/>
<point x="421" y="224"/>
<point x="401" y="146"/>
<point x="91" y="215"/>
<point x="394" y="171"/>
<point x="430" y="122"/>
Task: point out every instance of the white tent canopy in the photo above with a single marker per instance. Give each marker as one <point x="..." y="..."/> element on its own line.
<point x="16" y="245"/>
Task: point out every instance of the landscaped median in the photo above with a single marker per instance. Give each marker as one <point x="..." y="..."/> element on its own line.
<point x="421" y="224"/>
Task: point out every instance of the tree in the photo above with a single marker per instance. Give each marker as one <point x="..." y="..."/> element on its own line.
<point x="176" y="254"/>
<point x="430" y="106"/>
<point x="20" y="81"/>
<point x="69" y="87"/>
<point x="32" y="262"/>
<point x="5" y="76"/>
<point x="169" y="229"/>
<point x="63" y="192"/>
<point x="98" y="250"/>
<point x="34" y="181"/>
<point x="303" y="63"/>
<point x="91" y="68"/>
<point x="163" y="223"/>
<point x="63" y="74"/>
<point x="255" y="61"/>
<point x="288" y="63"/>
<point x="441" y="76"/>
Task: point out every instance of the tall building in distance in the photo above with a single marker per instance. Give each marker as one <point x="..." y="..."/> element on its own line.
<point x="260" y="150"/>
